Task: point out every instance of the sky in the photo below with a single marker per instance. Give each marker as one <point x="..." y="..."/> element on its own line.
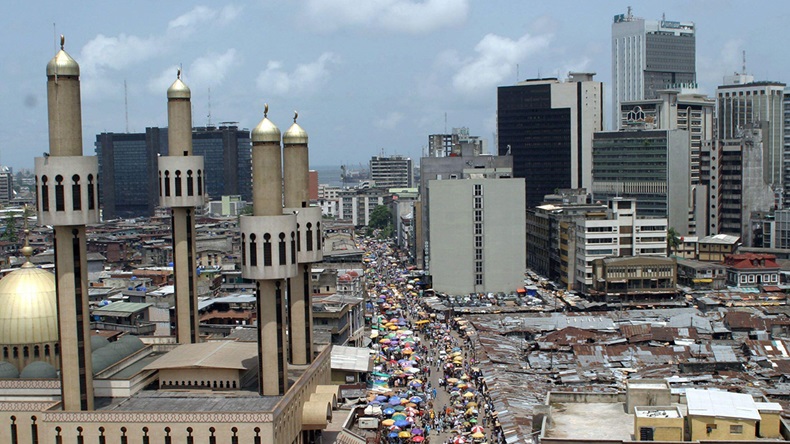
<point x="368" y="77"/>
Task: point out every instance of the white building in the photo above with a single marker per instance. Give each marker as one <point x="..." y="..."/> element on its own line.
<point x="478" y="242"/>
<point x="650" y="55"/>
<point x="391" y="172"/>
<point x="617" y="233"/>
<point x="357" y="205"/>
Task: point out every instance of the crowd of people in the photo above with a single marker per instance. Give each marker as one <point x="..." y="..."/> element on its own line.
<point x="425" y="386"/>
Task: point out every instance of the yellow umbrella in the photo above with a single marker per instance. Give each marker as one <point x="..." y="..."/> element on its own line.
<point x="404" y="434"/>
<point x="471" y="404"/>
<point x="478" y="435"/>
<point x="374" y="335"/>
<point x="469" y="395"/>
<point x="393" y="327"/>
<point x="388" y="422"/>
<point x="452" y="380"/>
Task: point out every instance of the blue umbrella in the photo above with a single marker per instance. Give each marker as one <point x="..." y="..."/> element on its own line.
<point x="394" y="400"/>
<point x="393" y="434"/>
<point x="415" y="399"/>
<point x="381" y="398"/>
<point x="402" y="423"/>
<point x="389" y="411"/>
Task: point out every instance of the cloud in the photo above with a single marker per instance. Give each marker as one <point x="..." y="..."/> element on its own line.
<point x="495" y="60"/>
<point x="305" y="78"/>
<point x="711" y="70"/>
<point x="104" y="54"/>
<point x="390" y="121"/>
<point x="209" y="70"/>
<point x="407" y="16"/>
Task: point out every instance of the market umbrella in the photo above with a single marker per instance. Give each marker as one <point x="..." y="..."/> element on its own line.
<point x="452" y="380"/>
<point x="389" y="411"/>
<point x="394" y="400"/>
<point x="402" y="423"/>
<point x="459" y="440"/>
<point x="387" y="422"/>
<point x="477" y="435"/>
<point x="393" y="434"/>
<point x="415" y="399"/>
<point x="398" y="416"/>
<point x="472" y="404"/>
<point x="399" y="408"/>
<point x="418" y="438"/>
<point x="469" y="395"/>
<point x="477" y="429"/>
<point x="404" y="434"/>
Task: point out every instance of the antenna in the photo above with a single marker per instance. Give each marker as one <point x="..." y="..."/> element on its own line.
<point x="126" y="105"/>
<point x="744" y="62"/>
<point x="209" y="107"/>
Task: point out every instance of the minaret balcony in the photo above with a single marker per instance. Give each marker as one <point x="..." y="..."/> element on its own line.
<point x="67" y="190"/>
<point x="309" y="244"/>
<point x="268" y="247"/>
<point x="182" y="181"/>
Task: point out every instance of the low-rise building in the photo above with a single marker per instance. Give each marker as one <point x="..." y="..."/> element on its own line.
<point x="634" y="279"/>
<point x="752" y="270"/>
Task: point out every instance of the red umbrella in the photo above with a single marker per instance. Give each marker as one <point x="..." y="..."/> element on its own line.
<point x="459" y="440"/>
<point x="477" y="429"/>
<point x="418" y="438"/>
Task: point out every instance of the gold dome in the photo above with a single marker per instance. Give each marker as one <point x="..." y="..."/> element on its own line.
<point x="295" y="133"/>
<point x="266" y="131"/>
<point x="28" y="307"/>
<point x="62" y="64"/>
<point x="179" y="89"/>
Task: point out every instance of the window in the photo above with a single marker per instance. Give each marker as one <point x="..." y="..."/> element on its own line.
<point x="736" y="429"/>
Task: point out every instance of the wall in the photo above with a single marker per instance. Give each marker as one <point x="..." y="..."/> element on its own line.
<point x="698" y="424"/>
<point x="664" y="429"/>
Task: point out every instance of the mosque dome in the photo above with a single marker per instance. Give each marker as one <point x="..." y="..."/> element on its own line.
<point x="179" y="89"/>
<point x="28" y="307"/>
<point x="266" y="131"/>
<point x="98" y="342"/>
<point x="8" y="370"/>
<point x="295" y="134"/>
<point x="62" y="64"/>
<point x="39" y="370"/>
<point x="105" y="357"/>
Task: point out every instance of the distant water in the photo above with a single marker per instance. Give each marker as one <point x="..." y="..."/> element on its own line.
<point x="330" y="174"/>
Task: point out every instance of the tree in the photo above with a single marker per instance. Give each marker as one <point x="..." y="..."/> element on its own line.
<point x="381" y="217"/>
<point x="9" y="233"/>
<point x="673" y="241"/>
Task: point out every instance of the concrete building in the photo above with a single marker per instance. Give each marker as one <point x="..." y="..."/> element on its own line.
<point x="357" y="204"/>
<point x="617" y="232"/>
<point x="446" y="145"/>
<point x="6" y="185"/>
<point x="648" y="56"/>
<point x="649" y="166"/>
<point x="642" y="280"/>
<point x="391" y="172"/>
<point x="751" y="270"/>
<point x="547" y="126"/>
<point x="461" y="162"/>
<point x="127" y="166"/>
<point x="715" y="247"/>
<point x="477" y="235"/>
<point x="127" y="391"/>
<point x="756" y="105"/>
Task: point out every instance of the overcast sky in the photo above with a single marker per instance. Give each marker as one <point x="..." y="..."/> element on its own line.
<point x="367" y="76"/>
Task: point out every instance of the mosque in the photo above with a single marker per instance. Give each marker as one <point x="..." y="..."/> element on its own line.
<point x="60" y="382"/>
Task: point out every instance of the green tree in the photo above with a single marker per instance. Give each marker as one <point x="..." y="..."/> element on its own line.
<point x="381" y="217"/>
<point x="673" y="241"/>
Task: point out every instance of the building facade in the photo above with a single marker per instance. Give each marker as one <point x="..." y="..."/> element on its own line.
<point x="477" y="235"/>
<point x="128" y="174"/>
<point x="650" y="166"/>
<point x="6" y="185"/>
<point x="392" y="172"/>
<point x="650" y="55"/>
<point x="547" y="126"/>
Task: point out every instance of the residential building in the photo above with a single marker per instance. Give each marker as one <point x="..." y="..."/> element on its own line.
<point x="715" y="247"/>
<point x="356" y="205"/>
<point x="391" y="172"/>
<point x="128" y="173"/>
<point x="700" y="275"/>
<point x="756" y="105"/>
<point x="751" y="270"/>
<point x="617" y="232"/>
<point x="547" y="126"/>
<point x="446" y="145"/>
<point x="634" y="279"/>
<point x="477" y="235"/>
<point x="650" y="166"/>
<point x="6" y="185"/>
<point x="650" y="55"/>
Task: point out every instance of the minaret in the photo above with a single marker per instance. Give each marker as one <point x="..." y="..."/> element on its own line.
<point x="268" y="244"/>
<point x="67" y="199"/>
<point x="308" y="242"/>
<point x="181" y="188"/>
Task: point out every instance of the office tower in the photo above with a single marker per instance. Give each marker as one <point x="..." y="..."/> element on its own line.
<point x="391" y="172"/>
<point x="547" y="126"/>
<point x="754" y="104"/>
<point x="786" y="135"/>
<point x="269" y="255"/>
<point x="128" y="172"/>
<point x="181" y="188"/>
<point x="67" y="200"/>
<point x="6" y="185"/>
<point x="296" y="190"/>
<point x="477" y="235"/>
<point x="650" y="166"/>
<point x="650" y="55"/>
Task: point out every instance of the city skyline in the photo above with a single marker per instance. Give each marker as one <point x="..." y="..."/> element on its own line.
<point x="364" y="79"/>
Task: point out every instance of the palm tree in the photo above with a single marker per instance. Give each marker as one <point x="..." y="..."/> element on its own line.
<point x="673" y="241"/>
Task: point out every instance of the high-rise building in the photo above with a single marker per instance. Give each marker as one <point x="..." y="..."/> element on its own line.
<point x="478" y="242"/>
<point x="127" y="164"/>
<point x="754" y="104"/>
<point x="391" y="172"/>
<point x="547" y="126"/>
<point x="650" y="55"/>
<point x="6" y="185"/>
<point x="650" y="166"/>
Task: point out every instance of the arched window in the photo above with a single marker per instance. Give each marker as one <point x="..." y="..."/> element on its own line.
<point x="243" y="249"/>
<point x="60" y="198"/>
<point x="190" y="184"/>
<point x="178" y="183"/>
<point x="160" y="183"/>
<point x="254" y="250"/>
<point x="267" y="250"/>
<point x="282" y="256"/>
<point x="293" y="247"/>
<point x="298" y="237"/>
<point x="200" y="183"/>
<point x="167" y="183"/>
<point x="309" y="236"/>
<point x="36" y="351"/>
<point x="318" y="235"/>
<point x="92" y="193"/>
<point x="44" y="194"/>
<point x="76" y="193"/>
